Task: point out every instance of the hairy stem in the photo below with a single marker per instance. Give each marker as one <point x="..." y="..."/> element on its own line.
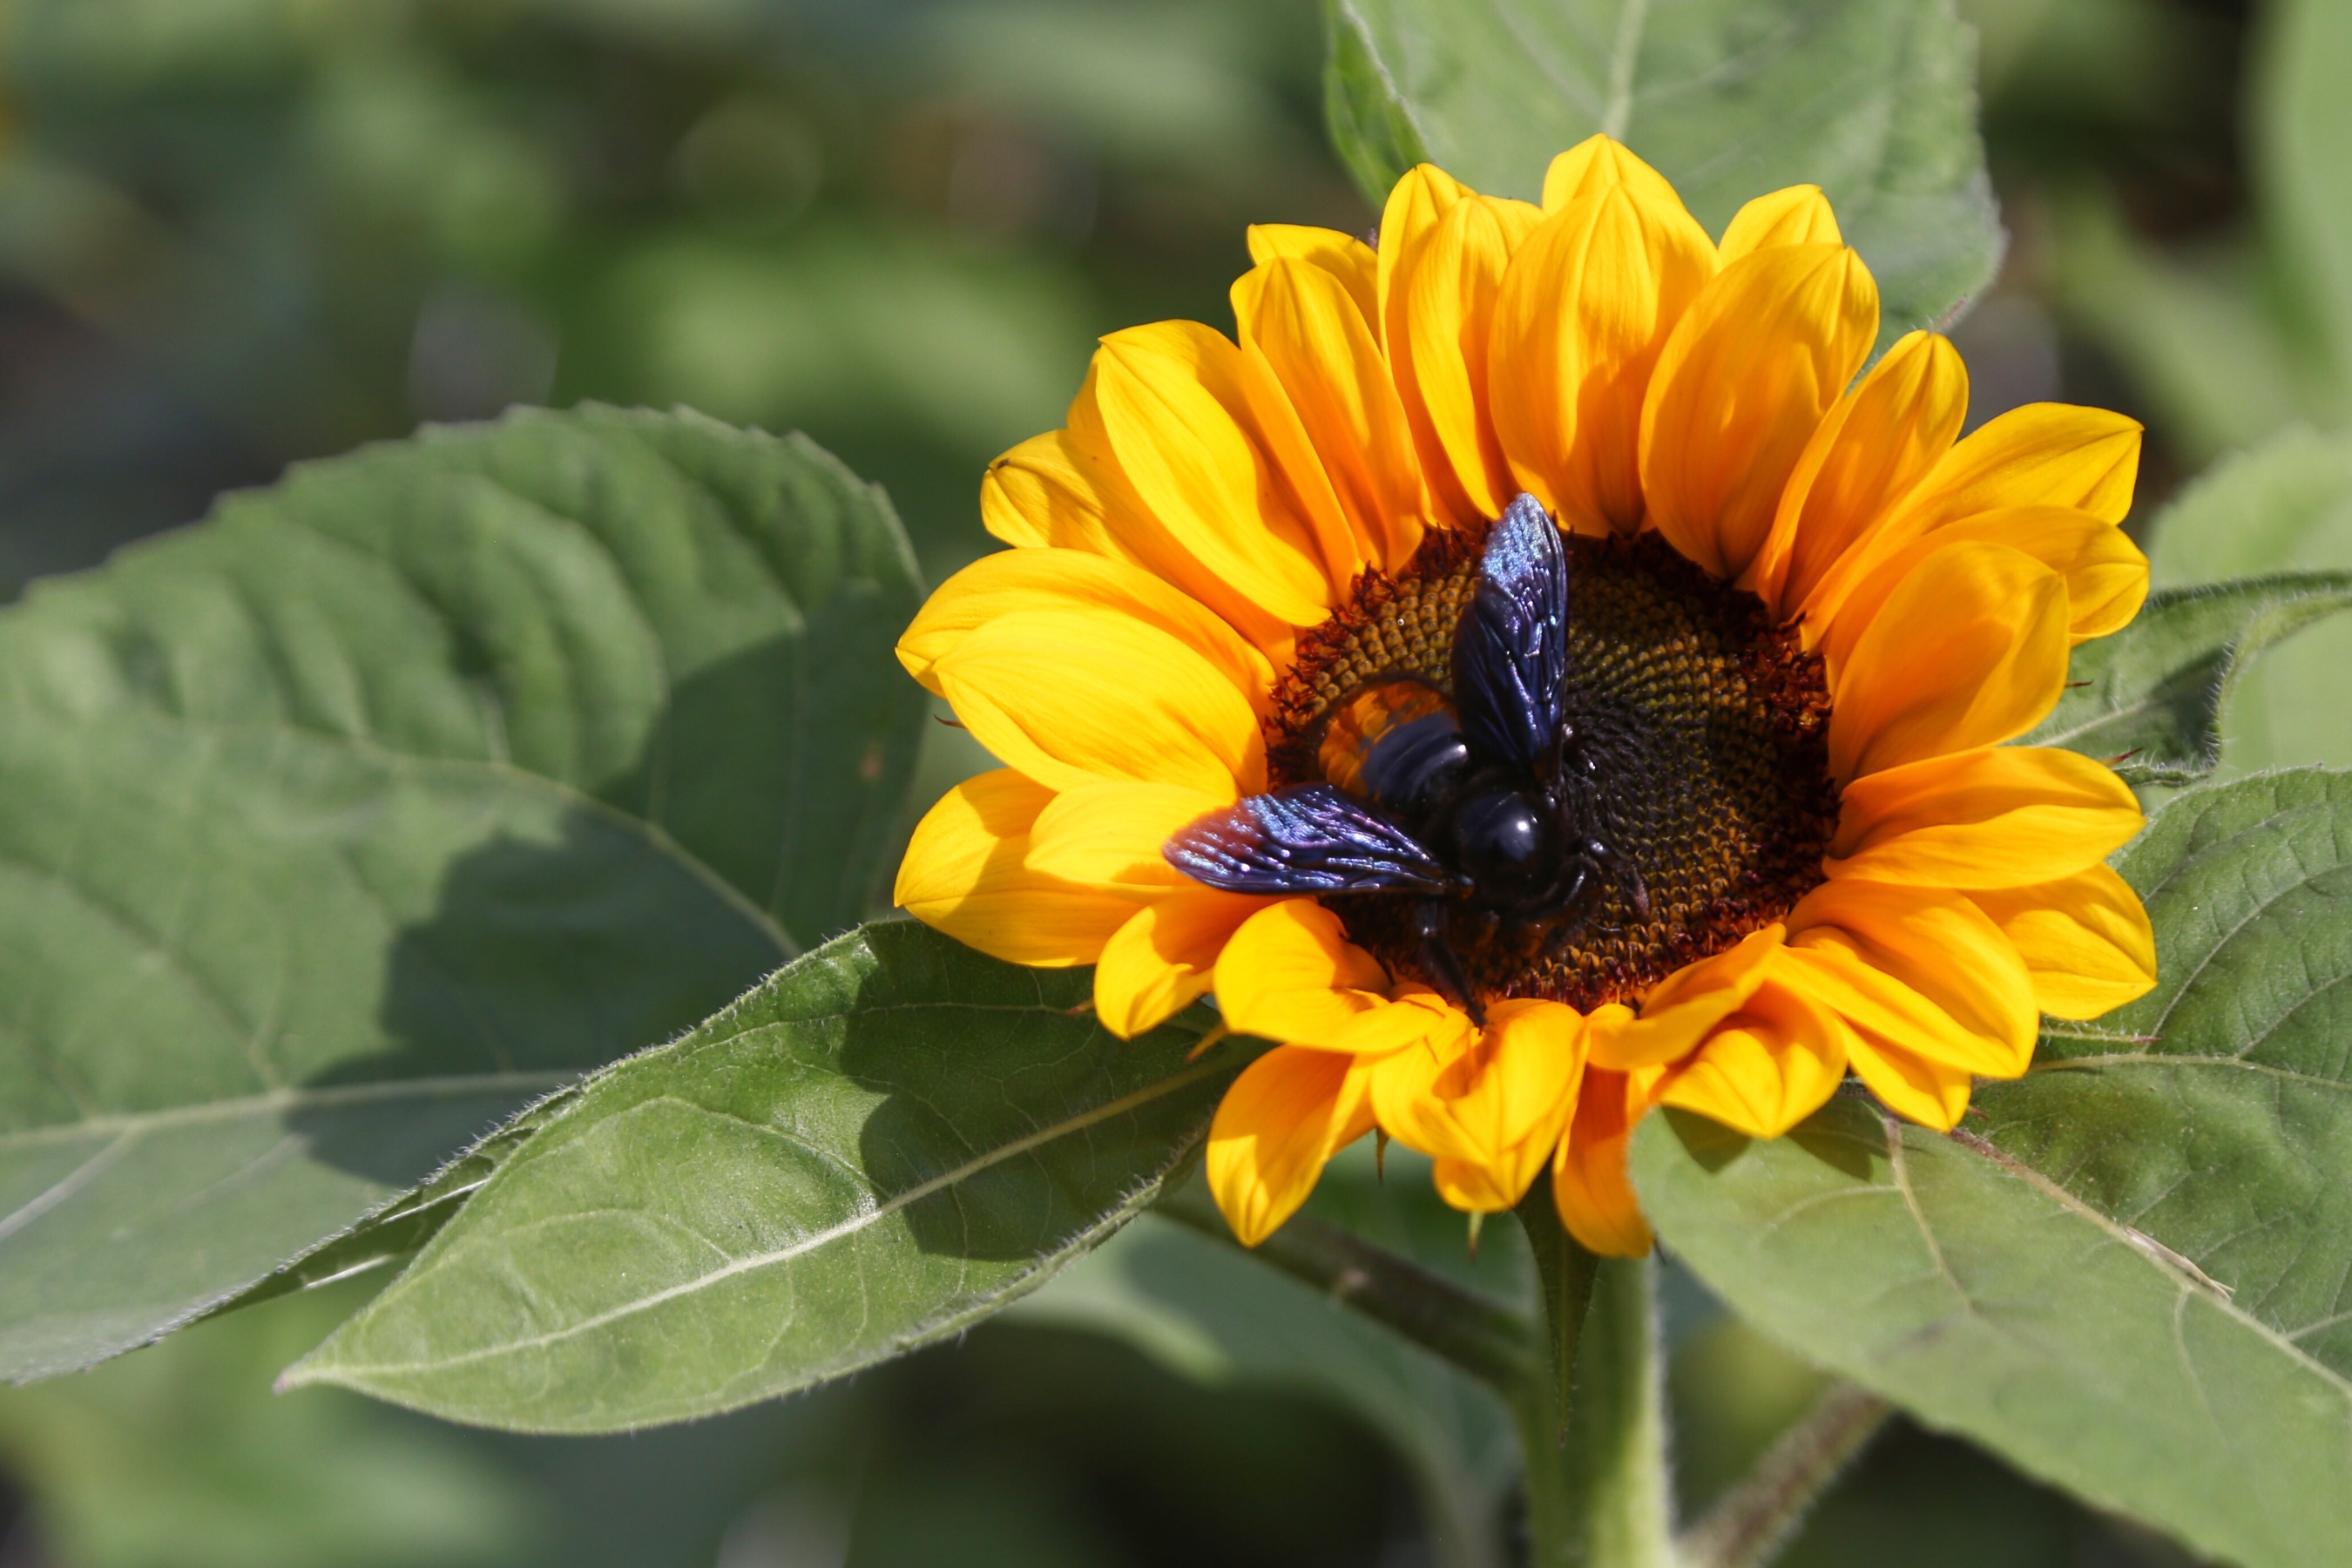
<point x="1566" y="1270"/>
<point x="1593" y="1432"/>
<point x="1753" y="1519"/>
<point x="1617" y="1427"/>
<point x="1482" y="1337"/>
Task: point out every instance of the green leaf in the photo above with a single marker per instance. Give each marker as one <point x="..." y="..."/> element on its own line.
<point x="348" y="823"/>
<point x="1370" y="126"/>
<point x="887" y="1142"/>
<point x="2133" y="1272"/>
<point x="1992" y="1304"/>
<point x="1874" y="100"/>
<point x="2285" y="506"/>
<point x="2151" y="697"/>
<point x="397" y="1231"/>
<point x="691" y="623"/>
<point x="1201" y="1308"/>
<point x="2215" y="1113"/>
<point x="260" y="982"/>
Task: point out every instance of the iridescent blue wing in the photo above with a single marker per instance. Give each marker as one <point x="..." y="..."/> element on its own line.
<point x="1510" y="653"/>
<point x="1311" y="839"/>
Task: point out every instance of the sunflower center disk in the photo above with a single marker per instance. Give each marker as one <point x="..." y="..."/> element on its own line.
<point x="1706" y="729"/>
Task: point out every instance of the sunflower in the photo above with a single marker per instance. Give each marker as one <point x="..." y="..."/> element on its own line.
<point x="1803" y="617"/>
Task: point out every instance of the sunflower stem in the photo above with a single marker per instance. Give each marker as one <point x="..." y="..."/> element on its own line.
<point x="1592" y="1427"/>
<point x="1566" y="1269"/>
<point x="1482" y="1337"/>
<point x="1755" y="1517"/>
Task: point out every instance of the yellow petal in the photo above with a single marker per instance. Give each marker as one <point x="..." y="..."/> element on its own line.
<point x="1679" y="1012"/>
<point x="1588" y="1180"/>
<point x="1074" y="696"/>
<point x="1413" y="1014"/>
<point x="1476" y="1187"/>
<point x="1586" y="305"/>
<point x="1767" y="1068"/>
<point x="1490" y="1108"/>
<point x="1415" y="203"/>
<point x="1278" y="1125"/>
<point x="1800" y="214"/>
<point x="1913" y="1087"/>
<point x="2085" y="939"/>
<point x="2105" y="573"/>
<point x="1968" y="650"/>
<point x="1343" y="256"/>
<point x="1176" y="414"/>
<point x="965" y="874"/>
<point x="1161" y="961"/>
<point x="1403" y="1087"/>
<point x="2045" y="454"/>
<point x="1046" y="577"/>
<point x="1876" y="447"/>
<point x="1291" y="974"/>
<point x="1046" y="493"/>
<point x="1514" y="1110"/>
<point x="1077" y="488"/>
<point x="1594" y="164"/>
<point x="1108" y="836"/>
<point x="1534" y="1055"/>
<point x="1324" y="365"/>
<point x="1439" y="346"/>
<point x="1759" y="357"/>
<point x="1999" y="817"/>
<point x="1914" y="969"/>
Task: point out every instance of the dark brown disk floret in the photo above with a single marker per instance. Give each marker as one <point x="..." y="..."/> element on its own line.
<point x="1708" y="725"/>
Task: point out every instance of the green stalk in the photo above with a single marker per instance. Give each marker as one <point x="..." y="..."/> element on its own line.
<point x="1594" y="1432"/>
<point x="1566" y="1270"/>
<point x="1757" y="1517"/>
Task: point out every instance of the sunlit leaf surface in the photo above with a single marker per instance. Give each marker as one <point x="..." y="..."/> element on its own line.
<point x="2215" y="1115"/>
<point x="689" y="622"/>
<point x="258" y="982"/>
<point x="341" y="826"/>
<point x="1874" y="100"/>
<point x="887" y="1142"/>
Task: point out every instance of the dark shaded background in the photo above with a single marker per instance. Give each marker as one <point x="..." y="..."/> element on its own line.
<point x="238" y="233"/>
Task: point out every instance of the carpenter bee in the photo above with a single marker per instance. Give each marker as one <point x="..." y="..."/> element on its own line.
<point x="1482" y="808"/>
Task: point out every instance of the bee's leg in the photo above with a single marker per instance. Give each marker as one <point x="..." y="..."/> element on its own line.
<point x="1438" y="957"/>
<point x="1628" y="879"/>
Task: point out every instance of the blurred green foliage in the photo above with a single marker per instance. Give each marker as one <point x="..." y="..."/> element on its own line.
<point x="1028" y="1448"/>
<point x="234" y="233"/>
<point x="303" y="223"/>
